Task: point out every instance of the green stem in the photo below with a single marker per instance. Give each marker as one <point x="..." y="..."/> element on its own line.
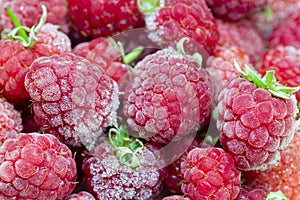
<point x="268" y="13"/>
<point x="148" y="6"/>
<point x="131" y="56"/>
<point x="16" y="23"/>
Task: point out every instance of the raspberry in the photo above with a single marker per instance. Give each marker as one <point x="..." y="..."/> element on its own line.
<point x="209" y="173"/>
<point x="284" y="175"/>
<point x="235" y="9"/>
<point x="83" y="195"/>
<point x="176" y="197"/>
<point x="176" y="19"/>
<point x="104" y="18"/>
<point x="256" y="193"/>
<point x="29" y="12"/>
<point x="174" y="177"/>
<point x="110" y="174"/>
<point x="72" y="98"/>
<point x="285" y="34"/>
<point x="10" y="121"/>
<point x="101" y="52"/>
<point x="254" y="125"/>
<point x="17" y="58"/>
<point x="286" y="62"/>
<point x="244" y="35"/>
<point x="36" y="166"/>
<point x="220" y="65"/>
<point x="170" y="96"/>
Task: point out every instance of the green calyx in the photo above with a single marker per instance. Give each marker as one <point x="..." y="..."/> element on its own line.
<point x="196" y="57"/>
<point x="148" y="6"/>
<point x="276" y="196"/>
<point x="22" y="33"/>
<point x="267" y="82"/>
<point x="125" y="147"/>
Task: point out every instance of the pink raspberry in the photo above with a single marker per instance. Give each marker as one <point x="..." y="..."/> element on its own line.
<point x="83" y="195"/>
<point x="72" y="98"/>
<point x="36" y="166"/>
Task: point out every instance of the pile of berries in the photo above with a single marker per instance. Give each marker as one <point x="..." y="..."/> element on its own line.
<point x="149" y="99"/>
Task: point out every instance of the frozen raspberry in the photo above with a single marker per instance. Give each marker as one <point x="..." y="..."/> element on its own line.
<point x="29" y="12"/>
<point x="170" y="96"/>
<point x="286" y="62"/>
<point x="235" y="9"/>
<point x="280" y="10"/>
<point x="123" y="170"/>
<point x="17" y="56"/>
<point x="209" y="173"/>
<point x="83" y="195"/>
<point x="104" y="18"/>
<point x="244" y="35"/>
<point x="286" y="33"/>
<point x="284" y="175"/>
<point x="220" y="65"/>
<point x="10" y="121"/>
<point x="72" y="98"/>
<point x="256" y="123"/>
<point x="174" y="177"/>
<point x="102" y="52"/>
<point x="36" y="166"/>
<point x="175" y="19"/>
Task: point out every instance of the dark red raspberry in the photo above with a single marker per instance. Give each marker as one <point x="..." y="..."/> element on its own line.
<point x="17" y="57"/>
<point x="209" y="173"/>
<point x="36" y="166"/>
<point x="284" y="175"/>
<point x="123" y="170"/>
<point x="244" y="35"/>
<point x="102" y="52"/>
<point x="255" y="123"/>
<point x="72" y="98"/>
<point x="104" y="18"/>
<point x="175" y="19"/>
<point x="10" y="121"/>
<point x="256" y="193"/>
<point x="235" y="9"/>
<point x="83" y="195"/>
<point x="220" y="65"/>
<point x="169" y="96"/>
<point x="29" y="12"/>
<point x="286" y="62"/>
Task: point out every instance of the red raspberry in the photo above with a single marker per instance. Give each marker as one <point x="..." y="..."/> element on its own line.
<point x="286" y="62"/>
<point x="108" y="174"/>
<point x="29" y="12"/>
<point x="220" y="65"/>
<point x="72" y="98"/>
<point x="104" y="18"/>
<point x="235" y="9"/>
<point x="83" y="195"/>
<point x="209" y="173"/>
<point x="101" y="52"/>
<point x="283" y="176"/>
<point x="243" y="35"/>
<point x="10" y="121"/>
<point x="170" y="96"/>
<point x="280" y="10"/>
<point x="174" y="177"/>
<point x="36" y="166"/>
<point x="176" y="19"/>
<point x="285" y="34"/>
<point x="16" y="59"/>
<point x="254" y="125"/>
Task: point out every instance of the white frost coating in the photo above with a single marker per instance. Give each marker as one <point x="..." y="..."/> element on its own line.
<point x="112" y="117"/>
